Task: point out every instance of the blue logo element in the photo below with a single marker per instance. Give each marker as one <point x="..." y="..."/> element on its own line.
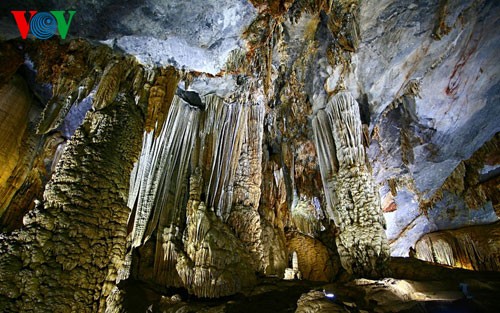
<point x="43" y="25"/>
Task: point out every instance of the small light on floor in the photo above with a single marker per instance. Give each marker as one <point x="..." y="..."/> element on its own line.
<point x="328" y="294"/>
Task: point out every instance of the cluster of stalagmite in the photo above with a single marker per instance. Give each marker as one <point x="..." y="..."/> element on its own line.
<point x="215" y="263"/>
<point x="353" y="201"/>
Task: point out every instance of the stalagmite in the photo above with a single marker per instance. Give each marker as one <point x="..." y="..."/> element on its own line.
<point x="353" y="201"/>
<point x="244" y="217"/>
<point x="215" y="263"/>
<point x="65" y="258"/>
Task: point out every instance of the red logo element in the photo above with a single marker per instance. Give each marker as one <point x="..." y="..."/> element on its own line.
<point x="22" y="23"/>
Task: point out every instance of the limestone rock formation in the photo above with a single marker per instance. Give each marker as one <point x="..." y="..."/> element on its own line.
<point x="63" y="250"/>
<point x="15" y="106"/>
<point x="315" y="301"/>
<point x="353" y="203"/>
<point x="474" y="248"/>
<point x="314" y="261"/>
<point x="174" y="156"/>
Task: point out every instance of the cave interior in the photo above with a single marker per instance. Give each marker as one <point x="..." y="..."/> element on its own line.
<point x="249" y="156"/>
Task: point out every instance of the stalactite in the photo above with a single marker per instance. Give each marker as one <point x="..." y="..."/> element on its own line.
<point x="209" y="140"/>
<point x="73" y="78"/>
<point x="353" y="202"/>
<point x="219" y="148"/>
<point x="160" y="174"/>
<point x="473" y="248"/>
<point x="110" y="84"/>
<point x="160" y="98"/>
<point x="327" y="159"/>
<point x="305" y="218"/>
<point x="158" y="185"/>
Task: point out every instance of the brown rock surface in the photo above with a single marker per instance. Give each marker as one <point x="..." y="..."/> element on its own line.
<point x="316" y="302"/>
<point x="314" y="261"/>
<point x="475" y="248"/>
<point x="15" y="104"/>
<point x="67" y="255"/>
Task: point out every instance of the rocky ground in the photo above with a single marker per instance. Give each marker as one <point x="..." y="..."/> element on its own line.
<point x="433" y="289"/>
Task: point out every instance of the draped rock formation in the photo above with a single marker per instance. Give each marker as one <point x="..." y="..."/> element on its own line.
<point x="212" y="154"/>
<point x="353" y="202"/>
<point x="473" y="248"/>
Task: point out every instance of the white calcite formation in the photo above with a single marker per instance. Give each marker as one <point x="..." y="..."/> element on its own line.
<point x="217" y="149"/>
<point x="353" y="201"/>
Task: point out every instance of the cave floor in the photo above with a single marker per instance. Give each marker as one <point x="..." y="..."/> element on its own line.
<point x="432" y="289"/>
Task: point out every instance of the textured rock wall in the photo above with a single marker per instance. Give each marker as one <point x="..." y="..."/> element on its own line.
<point x="474" y="248"/>
<point x="315" y="261"/>
<point x="469" y="196"/>
<point x="15" y="104"/>
<point x="420" y="135"/>
<point x="25" y="157"/>
<point x="315" y="301"/>
<point x="67" y="255"/>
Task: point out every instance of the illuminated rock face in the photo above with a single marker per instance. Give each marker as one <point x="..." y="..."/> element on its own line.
<point x="474" y="248"/>
<point x="15" y="105"/>
<point x="270" y="130"/>
<point x="416" y="152"/>
<point x="72" y="246"/>
<point x="205" y="148"/>
<point x="353" y="201"/>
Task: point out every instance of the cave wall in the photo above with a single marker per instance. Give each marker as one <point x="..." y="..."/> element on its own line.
<point x="328" y="129"/>
<point x="432" y="105"/>
<point x="473" y="248"/>
<point x="26" y="157"/>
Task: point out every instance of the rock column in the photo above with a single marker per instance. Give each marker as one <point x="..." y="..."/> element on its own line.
<point x="352" y="199"/>
<point x="65" y="258"/>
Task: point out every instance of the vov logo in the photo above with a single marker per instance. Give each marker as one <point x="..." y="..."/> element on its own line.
<point x="43" y="25"/>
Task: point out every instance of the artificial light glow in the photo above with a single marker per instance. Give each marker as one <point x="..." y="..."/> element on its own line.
<point x="328" y="294"/>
